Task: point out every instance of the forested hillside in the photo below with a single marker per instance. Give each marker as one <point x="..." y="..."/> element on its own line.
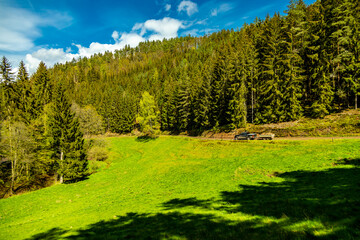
<point x="303" y="63"/>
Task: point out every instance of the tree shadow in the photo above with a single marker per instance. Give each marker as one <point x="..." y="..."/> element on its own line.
<point x="145" y="138"/>
<point x="52" y="234"/>
<point x="188" y="202"/>
<point x="174" y="225"/>
<point x="330" y="198"/>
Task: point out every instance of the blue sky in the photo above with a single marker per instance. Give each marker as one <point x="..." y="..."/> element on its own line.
<point x="59" y="30"/>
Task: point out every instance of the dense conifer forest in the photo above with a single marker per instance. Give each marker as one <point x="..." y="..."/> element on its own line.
<point x="305" y="62"/>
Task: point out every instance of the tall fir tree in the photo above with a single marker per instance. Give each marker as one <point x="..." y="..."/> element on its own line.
<point x="7" y="104"/>
<point x="344" y="59"/>
<point x="293" y="32"/>
<point x="317" y="64"/>
<point x="23" y="93"/>
<point x="271" y="93"/>
<point x="42" y="89"/>
<point x="238" y="90"/>
<point x="66" y="139"/>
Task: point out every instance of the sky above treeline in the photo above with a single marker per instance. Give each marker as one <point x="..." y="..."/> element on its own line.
<point x="60" y="30"/>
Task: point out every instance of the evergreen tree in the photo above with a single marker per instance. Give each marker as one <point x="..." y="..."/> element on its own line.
<point x="24" y="96"/>
<point x="319" y="82"/>
<point x="7" y="104"/>
<point x="203" y="101"/>
<point x="66" y="139"/>
<point x="238" y="91"/>
<point x="344" y="59"/>
<point x="293" y="32"/>
<point x="42" y="89"/>
<point x="271" y="93"/>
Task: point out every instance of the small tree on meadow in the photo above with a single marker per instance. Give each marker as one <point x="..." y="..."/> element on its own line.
<point x="148" y="116"/>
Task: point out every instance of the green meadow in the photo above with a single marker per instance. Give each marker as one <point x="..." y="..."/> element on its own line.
<point x="184" y="188"/>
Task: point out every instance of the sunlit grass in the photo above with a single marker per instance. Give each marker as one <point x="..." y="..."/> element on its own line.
<point x="182" y="188"/>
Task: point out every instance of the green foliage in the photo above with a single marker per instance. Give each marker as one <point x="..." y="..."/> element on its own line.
<point x="42" y="89"/>
<point x="305" y="63"/>
<point x="66" y="139"/>
<point x="194" y="189"/>
<point x="7" y="104"/>
<point x="19" y="146"/>
<point x="91" y="122"/>
<point x="148" y="115"/>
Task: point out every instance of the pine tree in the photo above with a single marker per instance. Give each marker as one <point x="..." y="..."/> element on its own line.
<point x="271" y="93"/>
<point x="344" y="59"/>
<point x="66" y="139"/>
<point x="319" y="82"/>
<point x="41" y="89"/>
<point x="24" y="96"/>
<point x="293" y="32"/>
<point x="203" y="101"/>
<point x="183" y="97"/>
<point x="238" y="91"/>
<point x="7" y="104"/>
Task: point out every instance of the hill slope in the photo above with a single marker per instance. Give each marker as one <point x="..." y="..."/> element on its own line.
<point x="182" y="188"/>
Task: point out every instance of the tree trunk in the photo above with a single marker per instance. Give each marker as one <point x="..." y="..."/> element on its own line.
<point x="13" y="162"/>
<point x="61" y="163"/>
<point x="356" y="101"/>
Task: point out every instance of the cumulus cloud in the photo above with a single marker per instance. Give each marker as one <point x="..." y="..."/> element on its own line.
<point x="221" y="9"/>
<point x="19" y="28"/>
<point x="188" y="6"/>
<point x="167" y="7"/>
<point x="164" y="28"/>
<point x="49" y="56"/>
<point x="58" y="55"/>
<point x="150" y="30"/>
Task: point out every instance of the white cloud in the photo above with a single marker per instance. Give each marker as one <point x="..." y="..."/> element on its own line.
<point x="49" y="56"/>
<point x="115" y="35"/>
<point x="164" y="28"/>
<point x="19" y="28"/>
<point x="156" y="29"/>
<point x="58" y="55"/>
<point x="221" y="9"/>
<point x="188" y="6"/>
<point x="167" y="7"/>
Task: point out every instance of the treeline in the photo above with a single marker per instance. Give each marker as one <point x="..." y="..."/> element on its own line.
<point x="41" y="139"/>
<point x="305" y="63"/>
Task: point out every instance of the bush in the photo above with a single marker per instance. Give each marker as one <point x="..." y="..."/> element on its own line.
<point x="97" y="153"/>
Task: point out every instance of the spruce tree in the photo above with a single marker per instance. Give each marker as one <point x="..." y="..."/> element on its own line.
<point x="270" y="103"/>
<point x="23" y="92"/>
<point x="66" y="139"/>
<point x="7" y="104"/>
<point x="238" y="90"/>
<point x="293" y="32"/>
<point x="319" y="82"/>
<point x="344" y="59"/>
<point x="203" y="101"/>
<point x="42" y="88"/>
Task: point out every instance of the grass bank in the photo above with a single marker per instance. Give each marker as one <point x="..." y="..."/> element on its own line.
<point x="182" y="188"/>
<point x="346" y="123"/>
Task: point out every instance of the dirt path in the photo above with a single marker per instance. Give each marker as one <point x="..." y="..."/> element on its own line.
<point x="276" y="138"/>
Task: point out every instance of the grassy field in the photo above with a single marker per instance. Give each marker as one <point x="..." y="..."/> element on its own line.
<point x="181" y="188"/>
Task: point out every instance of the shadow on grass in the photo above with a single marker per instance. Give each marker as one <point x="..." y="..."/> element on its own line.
<point x="145" y="138"/>
<point x="330" y="198"/>
<point x="174" y="225"/>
